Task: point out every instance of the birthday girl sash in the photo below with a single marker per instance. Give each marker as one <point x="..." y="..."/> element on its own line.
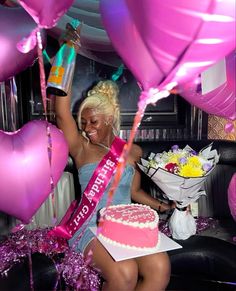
<point x="78" y="213"/>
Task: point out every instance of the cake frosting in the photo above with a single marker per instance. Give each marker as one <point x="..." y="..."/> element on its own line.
<point x="132" y="226"/>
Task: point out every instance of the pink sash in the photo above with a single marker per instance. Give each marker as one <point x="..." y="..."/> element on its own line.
<point x="76" y="216"/>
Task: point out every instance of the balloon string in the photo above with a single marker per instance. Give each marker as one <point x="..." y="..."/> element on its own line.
<point x="42" y="72"/>
<point x="44" y="98"/>
<point x="151" y="96"/>
<point x="3" y="105"/>
<point x="31" y="271"/>
<point x="124" y="156"/>
<point x="51" y="176"/>
<point x="125" y="153"/>
<point x="115" y="76"/>
<point x="13" y="101"/>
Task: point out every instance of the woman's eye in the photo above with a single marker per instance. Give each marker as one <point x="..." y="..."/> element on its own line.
<point x="94" y="121"/>
<point x="83" y="125"/>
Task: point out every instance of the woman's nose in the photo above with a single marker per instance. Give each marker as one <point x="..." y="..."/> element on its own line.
<point x="87" y="127"/>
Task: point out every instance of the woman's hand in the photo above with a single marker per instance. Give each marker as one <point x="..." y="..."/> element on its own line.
<point x="71" y="35"/>
<point x="163" y="207"/>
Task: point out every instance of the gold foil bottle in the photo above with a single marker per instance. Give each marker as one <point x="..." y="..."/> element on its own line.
<point x="63" y="67"/>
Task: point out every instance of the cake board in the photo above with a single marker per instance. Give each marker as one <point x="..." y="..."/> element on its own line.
<point x="120" y="253"/>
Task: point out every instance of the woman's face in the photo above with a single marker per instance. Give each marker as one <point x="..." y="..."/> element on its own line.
<point x="94" y="125"/>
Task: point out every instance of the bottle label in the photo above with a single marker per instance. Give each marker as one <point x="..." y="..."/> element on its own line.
<point x="56" y="75"/>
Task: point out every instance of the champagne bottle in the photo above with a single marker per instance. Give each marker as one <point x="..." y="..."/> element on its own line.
<point x="63" y="67"/>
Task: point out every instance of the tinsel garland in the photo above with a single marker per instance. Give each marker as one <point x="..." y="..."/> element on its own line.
<point x="72" y="266"/>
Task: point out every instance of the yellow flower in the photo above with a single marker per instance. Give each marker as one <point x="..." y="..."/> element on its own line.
<point x="190" y="171"/>
<point x="194" y="161"/>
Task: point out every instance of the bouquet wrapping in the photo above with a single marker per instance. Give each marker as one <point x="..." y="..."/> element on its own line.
<point x="180" y="174"/>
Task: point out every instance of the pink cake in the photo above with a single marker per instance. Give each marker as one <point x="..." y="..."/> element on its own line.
<point x="133" y="226"/>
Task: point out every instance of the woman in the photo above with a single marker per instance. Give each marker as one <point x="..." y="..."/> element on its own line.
<point x="99" y="123"/>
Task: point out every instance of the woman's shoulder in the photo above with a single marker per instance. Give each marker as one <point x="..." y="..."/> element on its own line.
<point x="135" y="153"/>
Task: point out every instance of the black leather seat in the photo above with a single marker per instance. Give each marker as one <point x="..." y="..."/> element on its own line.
<point x="209" y="261"/>
<point x="18" y="277"/>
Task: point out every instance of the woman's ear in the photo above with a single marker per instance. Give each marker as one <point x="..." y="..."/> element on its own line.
<point x="109" y="120"/>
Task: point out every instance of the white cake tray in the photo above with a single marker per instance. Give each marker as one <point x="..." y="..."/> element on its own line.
<point x="120" y="253"/>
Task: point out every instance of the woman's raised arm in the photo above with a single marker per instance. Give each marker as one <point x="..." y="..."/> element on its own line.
<point x="67" y="123"/>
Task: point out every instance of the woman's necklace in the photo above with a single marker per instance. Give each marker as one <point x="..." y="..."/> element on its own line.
<point x="103" y="146"/>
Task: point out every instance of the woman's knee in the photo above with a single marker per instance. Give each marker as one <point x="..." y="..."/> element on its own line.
<point x="163" y="262"/>
<point x="155" y="267"/>
<point x="162" y="267"/>
<point x="125" y="275"/>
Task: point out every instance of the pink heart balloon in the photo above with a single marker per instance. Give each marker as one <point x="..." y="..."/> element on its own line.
<point x="25" y="168"/>
<point x="15" y="24"/>
<point x="46" y="13"/>
<point x="232" y="196"/>
<point x="169" y="41"/>
<point x="220" y="101"/>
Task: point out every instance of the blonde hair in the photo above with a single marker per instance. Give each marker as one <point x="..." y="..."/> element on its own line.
<point x="104" y="98"/>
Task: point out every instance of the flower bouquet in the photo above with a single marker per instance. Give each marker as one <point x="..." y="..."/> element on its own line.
<point x="180" y="174"/>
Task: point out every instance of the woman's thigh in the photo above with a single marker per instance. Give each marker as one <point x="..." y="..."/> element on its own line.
<point x="154" y="271"/>
<point x="109" y="268"/>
